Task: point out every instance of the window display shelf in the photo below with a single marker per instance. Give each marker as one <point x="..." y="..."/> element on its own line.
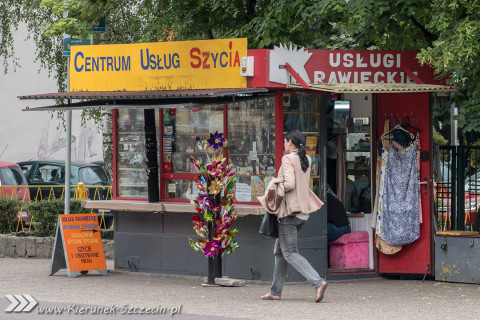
<point x="299" y="112"/>
<point x="142" y="185"/>
<point x="129" y="195"/>
<point x="130" y="152"/>
<point x="186" y="152"/>
<point x="138" y="133"/>
<point x="193" y="134"/>
<point x="247" y="154"/>
<point x="253" y="175"/>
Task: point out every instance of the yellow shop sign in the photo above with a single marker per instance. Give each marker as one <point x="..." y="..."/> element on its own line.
<point x="203" y="64"/>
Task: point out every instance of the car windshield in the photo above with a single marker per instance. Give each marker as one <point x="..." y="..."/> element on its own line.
<point x="12" y="176"/>
<point x="93" y="176"/>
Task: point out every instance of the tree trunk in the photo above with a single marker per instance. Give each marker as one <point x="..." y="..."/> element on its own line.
<point x="251" y="9"/>
<point x="107" y="130"/>
<point x="208" y="34"/>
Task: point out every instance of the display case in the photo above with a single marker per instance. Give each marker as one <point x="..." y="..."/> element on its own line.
<point x="131" y="168"/>
<point x="251" y="146"/>
<point x="302" y="112"/>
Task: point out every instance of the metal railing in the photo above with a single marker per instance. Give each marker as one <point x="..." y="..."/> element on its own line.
<point x="51" y="192"/>
<point x="457" y="188"/>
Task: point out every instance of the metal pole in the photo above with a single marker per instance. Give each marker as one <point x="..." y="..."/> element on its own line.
<point x="218" y="258"/>
<point x="68" y="159"/>
<point x="211" y="261"/>
<point x="214" y="263"/>
<point x="454" y="124"/>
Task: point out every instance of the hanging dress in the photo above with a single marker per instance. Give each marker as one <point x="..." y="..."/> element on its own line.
<point x="417" y="145"/>
<point x="382" y="245"/>
<point x="377" y="223"/>
<point x="400" y="198"/>
<point x="379" y="213"/>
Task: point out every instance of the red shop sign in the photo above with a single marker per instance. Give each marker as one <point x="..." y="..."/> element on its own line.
<point x="349" y="66"/>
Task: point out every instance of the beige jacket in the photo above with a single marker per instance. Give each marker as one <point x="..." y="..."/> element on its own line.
<point x="289" y="193"/>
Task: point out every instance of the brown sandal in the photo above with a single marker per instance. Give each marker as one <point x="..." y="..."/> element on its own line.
<point x="321" y="291"/>
<point x="270" y="296"/>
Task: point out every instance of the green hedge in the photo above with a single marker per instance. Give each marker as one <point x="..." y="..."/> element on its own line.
<point x="45" y="213"/>
<point x="9" y="209"/>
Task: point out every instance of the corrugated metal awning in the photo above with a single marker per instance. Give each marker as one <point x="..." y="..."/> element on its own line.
<point x="374" y="87"/>
<point x="142" y="99"/>
<point x="154" y="94"/>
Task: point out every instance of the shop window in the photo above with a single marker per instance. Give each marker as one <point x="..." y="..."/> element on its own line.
<point x="251" y="145"/>
<point x="251" y="148"/>
<point x="131" y="168"/>
<point x="302" y="112"/>
<point x="180" y="127"/>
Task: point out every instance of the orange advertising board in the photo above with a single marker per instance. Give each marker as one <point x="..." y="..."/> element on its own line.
<point x="82" y="242"/>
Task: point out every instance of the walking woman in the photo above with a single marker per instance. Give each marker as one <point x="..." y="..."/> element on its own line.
<point x="300" y="201"/>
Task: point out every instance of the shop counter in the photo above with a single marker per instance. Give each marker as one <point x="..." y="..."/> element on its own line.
<point x="139" y="206"/>
<point x="153" y="237"/>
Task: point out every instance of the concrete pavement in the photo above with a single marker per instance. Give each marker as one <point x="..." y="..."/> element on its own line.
<point x="378" y="298"/>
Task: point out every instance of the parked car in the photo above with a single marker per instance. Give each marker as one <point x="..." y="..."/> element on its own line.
<point x="14" y="183"/>
<point x="52" y="173"/>
<point x="104" y="167"/>
<point x="472" y="183"/>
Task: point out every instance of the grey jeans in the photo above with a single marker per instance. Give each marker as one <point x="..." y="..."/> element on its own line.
<point x="286" y="252"/>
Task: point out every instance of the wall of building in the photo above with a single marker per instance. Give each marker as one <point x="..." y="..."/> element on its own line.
<point x="34" y="135"/>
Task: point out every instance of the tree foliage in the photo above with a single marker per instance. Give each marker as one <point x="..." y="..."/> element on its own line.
<point x="456" y="53"/>
<point x="445" y="31"/>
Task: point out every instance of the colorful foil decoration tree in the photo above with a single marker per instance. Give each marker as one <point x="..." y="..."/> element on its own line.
<point x="215" y="212"/>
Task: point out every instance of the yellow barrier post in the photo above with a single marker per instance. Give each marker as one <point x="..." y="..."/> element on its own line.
<point x="97" y="191"/>
<point x="109" y="192"/>
<point x="51" y="194"/>
<point x="20" y="221"/>
<point x="102" y="220"/>
<point x="39" y="191"/>
<point x="82" y="191"/>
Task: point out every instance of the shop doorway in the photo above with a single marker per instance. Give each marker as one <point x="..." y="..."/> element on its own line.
<point x="413" y="109"/>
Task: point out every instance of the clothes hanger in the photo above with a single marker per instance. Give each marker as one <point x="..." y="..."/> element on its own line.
<point x="397" y="127"/>
<point x="406" y="122"/>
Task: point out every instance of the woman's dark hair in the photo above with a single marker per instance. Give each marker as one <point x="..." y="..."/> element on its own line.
<point x="298" y="139"/>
